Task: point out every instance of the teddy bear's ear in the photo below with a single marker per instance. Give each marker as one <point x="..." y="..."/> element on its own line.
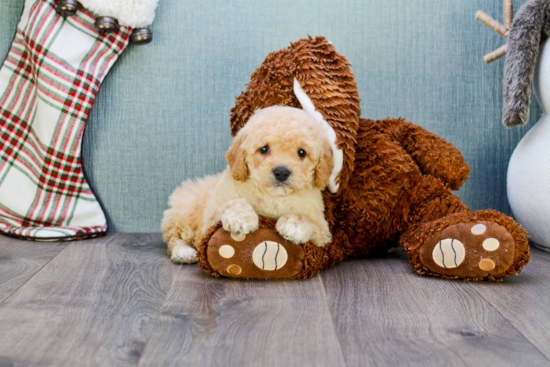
<point x="236" y="158"/>
<point x="524" y="42"/>
<point x="313" y="68"/>
<point x="270" y="85"/>
<point x="325" y="77"/>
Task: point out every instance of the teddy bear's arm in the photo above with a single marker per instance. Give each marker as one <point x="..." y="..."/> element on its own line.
<point x="434" y="155"/>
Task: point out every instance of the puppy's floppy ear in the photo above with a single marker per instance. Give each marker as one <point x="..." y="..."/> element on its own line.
<point x="324" y="167"/>
<point x="236" y="158"/>
<point x="523" y="50"/>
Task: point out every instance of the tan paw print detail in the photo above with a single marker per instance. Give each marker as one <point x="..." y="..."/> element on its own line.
<point x="491" y="244"/>
<point x="269" y="255"/>
<point x="449" y="253"/>
<point x="487" y="264"/>
<point x="227" y="251"/>
<point x="472" y="249"/>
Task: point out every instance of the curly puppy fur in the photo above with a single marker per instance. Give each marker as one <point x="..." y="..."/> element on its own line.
<point x="275" y="138"/>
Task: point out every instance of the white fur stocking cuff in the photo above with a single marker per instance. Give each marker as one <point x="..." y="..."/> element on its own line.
<point x="130" y="13"/>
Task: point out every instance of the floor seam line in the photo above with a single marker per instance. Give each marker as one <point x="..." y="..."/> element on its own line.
<point x="157" y="319"/>
<point x="36" y="273"/>
<point x="332" y="320"/>
<point x="69" y="243"/>
<point x="510" y="322"/>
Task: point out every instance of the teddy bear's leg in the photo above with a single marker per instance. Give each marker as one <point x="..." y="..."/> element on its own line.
<point x="262" y="254"/>
<point x="445" y="239"/>
<point x="433" y="155"/>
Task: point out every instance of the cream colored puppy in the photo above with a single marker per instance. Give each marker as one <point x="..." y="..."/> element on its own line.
<point x="277" y="166"/>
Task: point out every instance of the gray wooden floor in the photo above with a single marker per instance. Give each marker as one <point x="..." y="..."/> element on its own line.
<point x="119" y="301"/>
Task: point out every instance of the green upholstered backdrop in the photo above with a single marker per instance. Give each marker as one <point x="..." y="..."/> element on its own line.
<point x="162" y="115"/>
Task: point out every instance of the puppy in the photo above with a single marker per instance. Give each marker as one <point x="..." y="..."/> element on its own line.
<point x="278" y="164"/>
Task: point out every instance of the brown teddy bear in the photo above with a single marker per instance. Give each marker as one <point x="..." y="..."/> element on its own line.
<point x="391" y="184"/>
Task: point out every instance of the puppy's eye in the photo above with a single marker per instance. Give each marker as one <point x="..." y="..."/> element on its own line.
<point x="301" y="153"/>
<point x="264" y="150"/>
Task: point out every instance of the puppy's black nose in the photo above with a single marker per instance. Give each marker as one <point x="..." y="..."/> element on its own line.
<point x="281" y="173"/>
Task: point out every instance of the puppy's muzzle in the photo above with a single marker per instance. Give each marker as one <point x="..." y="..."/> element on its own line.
<point x="281" y="173"/>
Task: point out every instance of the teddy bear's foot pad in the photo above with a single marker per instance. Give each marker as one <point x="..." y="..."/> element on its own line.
<point x="263" y="254"/>
<point x="475" y="249"/>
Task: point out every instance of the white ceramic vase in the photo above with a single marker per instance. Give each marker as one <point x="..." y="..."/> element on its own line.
<point x="529" y="168"/>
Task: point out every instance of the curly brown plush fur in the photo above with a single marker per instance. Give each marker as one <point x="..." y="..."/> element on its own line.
<point x="390" y="190"/>
<point x="396" y="182"/>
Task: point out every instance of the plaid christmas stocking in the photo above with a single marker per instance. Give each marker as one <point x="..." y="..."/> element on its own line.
<point x="48" y="84"/>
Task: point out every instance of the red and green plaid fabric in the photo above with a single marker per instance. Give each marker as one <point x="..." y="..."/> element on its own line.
<point x="48" y="84"/>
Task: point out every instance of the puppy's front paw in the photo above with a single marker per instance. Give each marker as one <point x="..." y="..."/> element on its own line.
<point x="240" y="218"/>
<point x="184" y="254"/>
<point x="295" y="228"/>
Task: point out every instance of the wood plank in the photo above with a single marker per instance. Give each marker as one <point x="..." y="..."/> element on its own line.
<point x="21" y="260"/>
<point x="225" y="322"/>
<point x="94" y="304"/>
<point x="385" y="314"/>
<point x="524" y="300"/>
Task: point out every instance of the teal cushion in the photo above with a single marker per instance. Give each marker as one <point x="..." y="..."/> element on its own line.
<point x="162" y="115"/>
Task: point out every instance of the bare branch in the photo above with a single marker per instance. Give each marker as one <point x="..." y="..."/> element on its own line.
<point x="503" y="30"/>
<point x="491" y="23"/>
<point x="508" y="13"/>
<point x="496" y="54"/>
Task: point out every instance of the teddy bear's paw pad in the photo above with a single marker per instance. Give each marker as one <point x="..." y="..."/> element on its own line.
<point x="473" y="250"/>
<point x="262" y="254"/>
<point x="184" y="254"/>
<point x="270" y="255"/>
<point x="449" y="253"/>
